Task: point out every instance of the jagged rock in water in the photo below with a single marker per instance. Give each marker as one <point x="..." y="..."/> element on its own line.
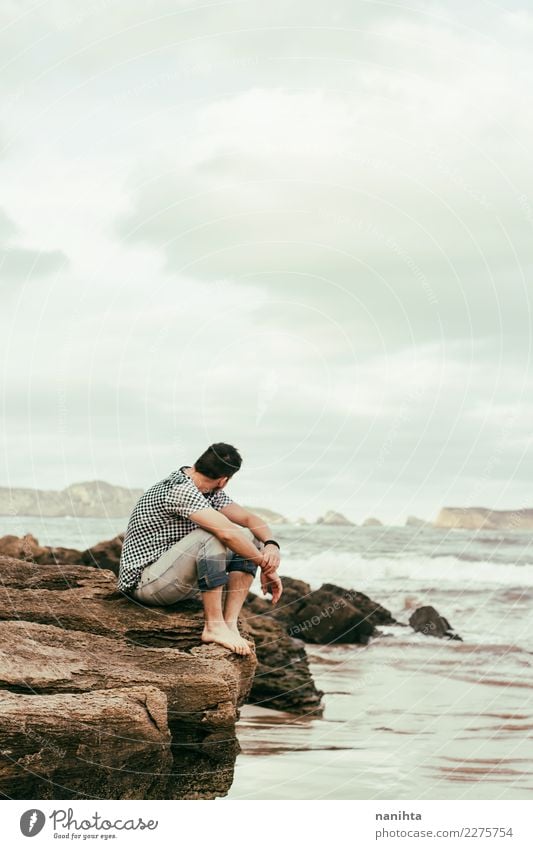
<point x="427" y="620"/>
<point x="330" y="614"/>
<point x="334" y="518"/>
<point x="334" y="615"/>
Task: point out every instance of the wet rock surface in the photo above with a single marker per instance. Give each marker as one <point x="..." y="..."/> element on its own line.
<point x="427" y="620"/>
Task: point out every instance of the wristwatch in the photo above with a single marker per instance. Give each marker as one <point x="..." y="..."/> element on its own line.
<point x="271" y="542"/>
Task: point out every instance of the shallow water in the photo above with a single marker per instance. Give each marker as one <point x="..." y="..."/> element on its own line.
<point x="405" y="718"/>
<point x="409" y="716"/>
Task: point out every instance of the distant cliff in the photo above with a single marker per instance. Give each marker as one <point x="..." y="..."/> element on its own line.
<point x="96" y="499"/>
<point x="481" y="518"/>
<point x="90" y="499"/>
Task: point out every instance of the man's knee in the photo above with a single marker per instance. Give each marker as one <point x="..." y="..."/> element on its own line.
<point x="213" y="544"/>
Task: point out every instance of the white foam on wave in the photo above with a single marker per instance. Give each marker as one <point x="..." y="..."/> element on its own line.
<point x="354" y="571"/>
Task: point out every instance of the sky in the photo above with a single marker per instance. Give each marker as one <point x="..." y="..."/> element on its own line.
<point x="302" y="228"/>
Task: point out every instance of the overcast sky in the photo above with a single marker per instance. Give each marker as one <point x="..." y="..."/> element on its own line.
<point x="304" y="228"/>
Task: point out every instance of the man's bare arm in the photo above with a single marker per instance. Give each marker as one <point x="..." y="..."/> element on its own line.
<point x="241" y="516"/>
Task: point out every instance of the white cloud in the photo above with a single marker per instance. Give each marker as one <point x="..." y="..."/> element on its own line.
<point x="305" y="226"/>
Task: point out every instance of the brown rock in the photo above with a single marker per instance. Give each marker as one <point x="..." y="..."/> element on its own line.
<point x="23" y="548"/>
<point x="282" y="679"/>
<point x="101" y="641"/>
<point x="28" y="548"/>
<point x="105" y="555"/>
<point x="107" y="744"/>
<point x="85" y="599"/>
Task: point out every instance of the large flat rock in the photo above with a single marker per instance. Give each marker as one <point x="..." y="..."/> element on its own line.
<point x="112" y="743"/>
<point x="84" y="598"/>
<point x="66" y="630"/>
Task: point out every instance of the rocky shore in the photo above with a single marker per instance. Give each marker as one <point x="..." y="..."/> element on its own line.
<point x="106" y="698"/>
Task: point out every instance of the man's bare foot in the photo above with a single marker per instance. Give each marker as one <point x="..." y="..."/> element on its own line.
<point x="226" y="637"/>
<point x="234" y="630"/>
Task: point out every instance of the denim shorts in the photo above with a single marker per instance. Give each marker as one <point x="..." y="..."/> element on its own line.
<point x="196" y="563"/>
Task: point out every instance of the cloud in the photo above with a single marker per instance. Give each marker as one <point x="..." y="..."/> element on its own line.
<point x="23" y="264"/>
<point x="305" y="228"/>
<point x="405" y="189"/>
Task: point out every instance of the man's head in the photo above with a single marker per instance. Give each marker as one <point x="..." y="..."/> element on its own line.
<point x="218" y="464"/>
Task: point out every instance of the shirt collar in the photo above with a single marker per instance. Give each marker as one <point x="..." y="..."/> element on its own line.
<point x="205" y="494"/>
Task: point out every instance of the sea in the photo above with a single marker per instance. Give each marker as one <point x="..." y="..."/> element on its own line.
<point x="408" y="716"/>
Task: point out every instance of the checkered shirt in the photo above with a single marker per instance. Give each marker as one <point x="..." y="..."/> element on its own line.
<point x="159" y="519"/>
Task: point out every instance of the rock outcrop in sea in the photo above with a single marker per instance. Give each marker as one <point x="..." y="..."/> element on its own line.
<point x="426" y="620"/>
<point x="327" y="615"/>
<point x="333" y="518"/>
<point x="416" y="522"/>
<point x="105" y="555"/>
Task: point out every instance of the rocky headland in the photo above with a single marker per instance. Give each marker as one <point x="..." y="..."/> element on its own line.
<point x="87" y="499"/>
<point x="481" y="518"/>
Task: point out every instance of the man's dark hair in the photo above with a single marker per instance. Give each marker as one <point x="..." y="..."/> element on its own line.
<point x="219" y="461"/>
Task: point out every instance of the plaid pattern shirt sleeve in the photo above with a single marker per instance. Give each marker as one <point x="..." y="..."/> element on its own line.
<point x="183" y="499"/>
<point x="220" y="500"/>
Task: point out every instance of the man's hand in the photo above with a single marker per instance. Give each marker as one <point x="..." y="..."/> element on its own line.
<point x="271" y="558"/>
<point x="271" y="583"/>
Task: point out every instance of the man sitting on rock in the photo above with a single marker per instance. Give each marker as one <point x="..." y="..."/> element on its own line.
<point x="183" y="537"/>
